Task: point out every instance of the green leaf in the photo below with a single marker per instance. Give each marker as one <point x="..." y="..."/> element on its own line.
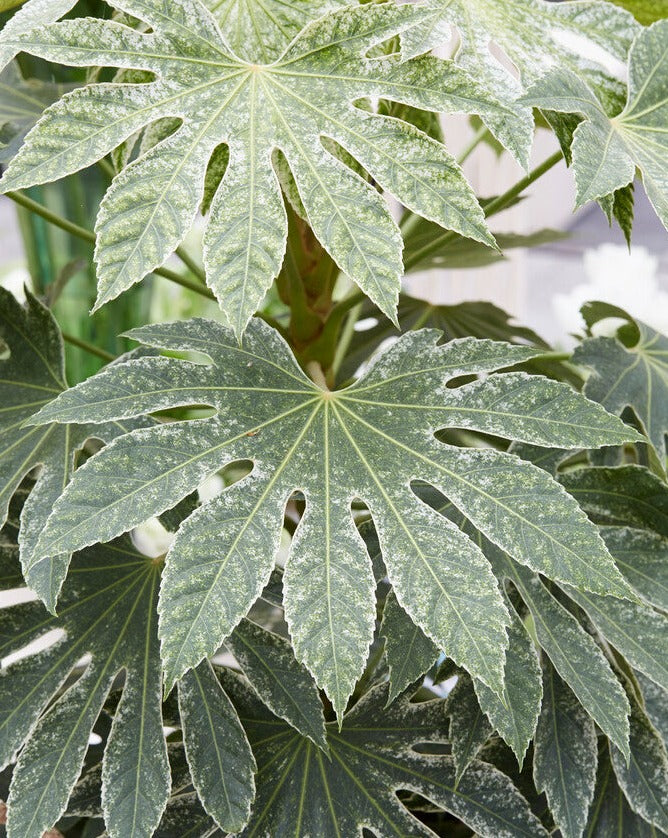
<point x="515" y="717"/>
<point x="31" y="14"/>
<point x="645" y="11"/>
<point x="620" y="495"/>
<point x="644" y="779"/>
<point x="656" y="704"/>
<point x="22" y="102"/>
<point x="408" y="651"/>
<point x="573" y="653"/>
<point x="637" y="631"/>
<point x="607" y="149"/>
<point x="107" y="611"/>
<point x="283" y="684"/>
<point x="565" y="755"/>
<point x="30" y="377"/>
<point x="634" y="376"/>
<point x="259" y="30"/>
<point x="367" y="441"/>
<point x="221" y="761"/>
<point x="289" y="104"/>
<point x="610" y="813"/>
<point x="642" y="558"/>
<point x="469" y="727"/>
<point x="535" y="35"/>
<point x="301" y="792"/>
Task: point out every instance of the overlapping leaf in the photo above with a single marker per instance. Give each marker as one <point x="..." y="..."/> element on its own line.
<point x="31" y="374"/>
<point x="108" y="611"/>
<point x="630" y="370"/>
<point x="22" y="102"/>
<point x="536" y="35"/>
<point x="301" y="792"/>
<point x="31" y="14"/>
<point x="607" y="148"/>
<point x="291" y="105"/>
<point x="368" y="441"/>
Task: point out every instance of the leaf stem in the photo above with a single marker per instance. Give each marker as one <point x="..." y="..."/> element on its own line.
<point x="477" y="138"/>
<point x="89" y="236"/>
<point x="88" y="347"/>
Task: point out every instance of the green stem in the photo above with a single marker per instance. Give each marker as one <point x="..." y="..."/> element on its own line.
<point x="492" y="208"/>
<point x="477" y="138"/>
<point x="88" y="347"/>
<point x="89" y="236"/>
<point x="191" y="264"/>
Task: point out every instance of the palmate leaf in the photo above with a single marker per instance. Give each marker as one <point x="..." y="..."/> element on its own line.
<point x="469" y="726"/>
<point x="608" y="148"/>
<point x="31" y="375"/>
<point x="289" y="105"/>
<point x="108" y="611"/>
<point x="368" y="441"/>
<point x="22" y="102"/>
<point x="301" y="792"/>
<point x="630" y="370"/>
<point x="536" y="35"/>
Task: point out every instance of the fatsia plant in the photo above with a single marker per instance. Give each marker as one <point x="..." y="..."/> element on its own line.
<point x="322" y="558"/>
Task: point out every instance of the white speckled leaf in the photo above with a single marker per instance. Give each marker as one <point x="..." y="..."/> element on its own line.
<point x="607" y="149"/>
<point x="31" y="14"/>
<point x="644" y="778"/>
<point x="642" y="558"/>
<point x="259" y="30"/>
<point x="633" y="375"/>
<point x="408" y="651"/>
<point x="574" y="654"/>
<point x="283" y="684"/>
<point x="220" y="759"/>
<point x="30" y="377"/>
<point x="637" y="631"/>
<point x="301" y="792"/>
<point x="292" y="104"/>
<point x="368" y="441"/>
<point x="536" y="35"/>
<point x="565" y="755"/>
<point x="107" y="611"/>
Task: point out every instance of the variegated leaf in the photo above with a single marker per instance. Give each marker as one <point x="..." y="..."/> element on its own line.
<point x="368" y="441"/>
<point x="291" y="105"/>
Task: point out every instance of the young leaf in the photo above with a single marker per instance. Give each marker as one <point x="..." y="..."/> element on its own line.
<point x="644" y="778"/>
<point x="219" y="756"/>
<point x="108" y="611"/>
<point x="289" y="104"/>
<point x="301" y="792"/>
<point x="32" y="375"/>
<point x="283" y="684"/>
<point x="535" y="35"/>
<point x="607" y="149"/>
<point x="633" y="376"/>
<point x="469" y="727"/>
<point x="408" y="651"/>
<point x="367" y="441"/>
<point x="565" y="755"/>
